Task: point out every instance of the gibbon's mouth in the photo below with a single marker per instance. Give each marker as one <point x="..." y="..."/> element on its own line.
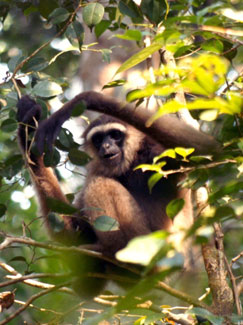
<point x="111" y="156"/>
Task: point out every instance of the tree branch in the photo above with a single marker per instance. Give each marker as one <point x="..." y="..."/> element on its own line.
<point x="213" y="255"/>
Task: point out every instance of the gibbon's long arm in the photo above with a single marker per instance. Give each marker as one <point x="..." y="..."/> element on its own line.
<point x="43" y="178"/>
<point x="167" y="130"/>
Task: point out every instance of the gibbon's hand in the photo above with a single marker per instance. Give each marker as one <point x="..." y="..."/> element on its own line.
<point x="46" y="134"/>
<point x="28" y="111"/>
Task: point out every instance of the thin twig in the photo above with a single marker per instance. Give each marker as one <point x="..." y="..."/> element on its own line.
<point x="235" y="259"/>
<point x="27" y="279"/>
<point x="38" y="308"/>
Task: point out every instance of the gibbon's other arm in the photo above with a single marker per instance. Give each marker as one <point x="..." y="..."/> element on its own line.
<point x="168" y="130"/>
<point x="43" y="178"/>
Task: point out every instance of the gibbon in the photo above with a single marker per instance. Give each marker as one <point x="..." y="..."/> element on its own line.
<point x="112" y="186"/>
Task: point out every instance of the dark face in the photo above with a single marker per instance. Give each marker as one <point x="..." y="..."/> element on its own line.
<point x="109" y="145"/>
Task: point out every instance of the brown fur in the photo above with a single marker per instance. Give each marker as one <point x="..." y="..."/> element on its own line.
<point x="118" y="192"/>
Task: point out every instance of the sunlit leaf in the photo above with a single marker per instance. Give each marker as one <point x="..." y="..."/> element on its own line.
<point x="184" y="152"/>
<point x="167" y="153"/>
<point x="209" y="115"/>
<point x="115" y="83"/>
<point x="157" y="89"/>
<point x="150" y="167"/>
<point x="139" y="57"/>
<point x="142" y="249"/>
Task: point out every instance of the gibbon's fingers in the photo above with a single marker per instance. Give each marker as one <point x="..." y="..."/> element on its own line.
<point x="27" y="109"/>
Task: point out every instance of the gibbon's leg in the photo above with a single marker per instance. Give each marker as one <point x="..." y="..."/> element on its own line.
<point x="106" y="196"/>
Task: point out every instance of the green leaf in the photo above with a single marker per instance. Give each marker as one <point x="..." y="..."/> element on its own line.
<point x="131" y="35"/>
<point x="59" y="206"/>
<point x="51" y="159"/>
<point x="153" y="180"/>
<point x="214" y="319"/>
<point x="174" y="207"/>
<point x="59" y="15"/>
<point x="129" y="8"/>
<point x="148" y="317"/>
<point x="3" y="209"/>
<point x="105" y="223"/>
<point x="230" y="188"/>
<point x="213" y="45"/>
<point x="46" y="7"/>
<point x="56" y="224"/>
<point x="139" y="57"/>
<point x="101" y="27"/>
<point x="172" y="106"/>
<point x="78" y="157"/>
<point x="75" y="34"/>
<point x="115" y="83"/>
<point x="142" y="249"/>
<point x="35" y="64"/>
<point x="12" y="166"/>
<point x="106" y="55"/>
<point x="65" y="140"/>
<point x="155" y="10"/>
<point x="93" y="13"/>
<point x="9" y="125"/>
<point x="78" y="109"/>
<point x="157" y="89"/>
<point x="14" y="61"/>
<point x="47" y="89"/>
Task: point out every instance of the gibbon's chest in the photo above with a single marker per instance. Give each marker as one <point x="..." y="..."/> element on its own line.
<point x="152" y="203"/>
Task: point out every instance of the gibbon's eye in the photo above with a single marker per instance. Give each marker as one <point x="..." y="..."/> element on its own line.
<point x="116" y="134"/>
<point x="97" y="139"/>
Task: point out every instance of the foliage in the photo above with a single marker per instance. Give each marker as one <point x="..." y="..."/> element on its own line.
<point x="204" y="43"/>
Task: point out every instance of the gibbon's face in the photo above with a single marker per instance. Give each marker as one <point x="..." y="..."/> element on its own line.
<point x="108" y="144"/>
